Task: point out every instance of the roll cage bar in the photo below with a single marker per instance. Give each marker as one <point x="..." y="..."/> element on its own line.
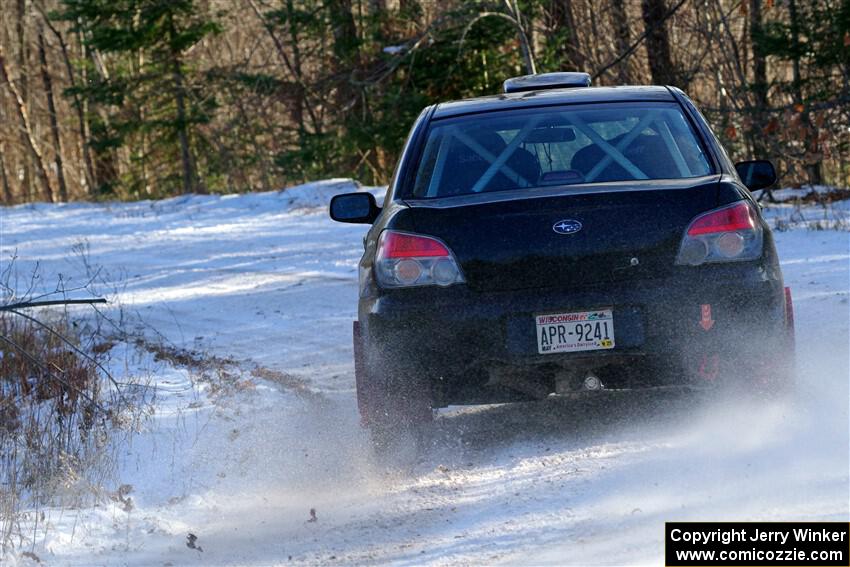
<point x="613" y="153"/>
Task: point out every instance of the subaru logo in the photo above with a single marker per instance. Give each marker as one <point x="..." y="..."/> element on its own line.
<point x="567" y="226"/>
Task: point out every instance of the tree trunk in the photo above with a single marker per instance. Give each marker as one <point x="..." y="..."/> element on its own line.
<point x="300" y="98"/>
<point x="411" y="12"/>
<point x="409" y="7"/>
<point x="187" y="166"/>
<point x="525" y="45"/>
<point x="622" y="38"/>
<point x="811" y="160"/>
<point x="760" y="85"/>
<point x="104" y="160"/>
<point x="4" y="177"/>
<point x="30" y="141"/>
<point x="51" y="112"/>
<point x="759" y="88"/>
<point x="568" y="53"/>
<point x="294" y="67"/>
<point x="658" y="42"/>
<point x="189" y="185"/>
<point x="77" y="103"/>
<point x="346" y="50"/>
<point x="20" y="58"/>
<point x="379" y="15"/>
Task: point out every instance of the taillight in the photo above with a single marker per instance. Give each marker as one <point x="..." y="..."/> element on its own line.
<point x="728" y="234"/>
<point x="408" y="260"/>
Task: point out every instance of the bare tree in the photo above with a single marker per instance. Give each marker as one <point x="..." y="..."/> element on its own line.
<point x="346" y="51"/>
<point x="51" y="112"/>
<point x="20" y="58"/>
<point x="525" y="45"/>
<point x="514" y="16"/>
<point x="811" y="159"/>
<point x="620" y="23"/>
<point x="758" y="140"/>
<point x="190" y="182"/>
<point x="657" y="42"/>
<point x="26" y="127"/>
<point x="308" y="89"/>
<point x="561" y="20"/>
<point x="77" y="103"/>
<point x="6" y="194"/>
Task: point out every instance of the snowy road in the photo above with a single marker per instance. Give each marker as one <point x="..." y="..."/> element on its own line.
<point x="269" y="281"/>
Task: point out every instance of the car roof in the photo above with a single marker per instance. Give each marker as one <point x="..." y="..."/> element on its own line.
<point x="529" y="99"/>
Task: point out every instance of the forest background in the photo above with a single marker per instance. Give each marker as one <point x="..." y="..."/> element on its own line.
<point x="131" y="99"/>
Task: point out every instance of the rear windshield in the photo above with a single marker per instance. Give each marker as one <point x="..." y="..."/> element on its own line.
<point x="556" y="146"/>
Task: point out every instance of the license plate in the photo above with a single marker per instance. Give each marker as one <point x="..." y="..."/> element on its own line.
<point x="575" y="332"/>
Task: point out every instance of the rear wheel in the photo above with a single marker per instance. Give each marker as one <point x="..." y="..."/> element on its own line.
<point x="776" y="374"/>
<point x="768" y="368"/>
<point x="393" y="399"/>
<point x="762" y="366"/>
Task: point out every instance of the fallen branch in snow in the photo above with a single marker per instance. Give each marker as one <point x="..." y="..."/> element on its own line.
<point x="29" y="304"/>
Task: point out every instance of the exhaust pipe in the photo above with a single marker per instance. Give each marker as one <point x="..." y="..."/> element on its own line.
<point x="570" y="382"/>
<point x="592" y="382"/>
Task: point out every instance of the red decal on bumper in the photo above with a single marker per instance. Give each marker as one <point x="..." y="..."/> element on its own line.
<point x="706" y="322"/>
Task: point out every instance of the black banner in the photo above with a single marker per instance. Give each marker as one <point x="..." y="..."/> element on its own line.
<point x="762" y="544"/>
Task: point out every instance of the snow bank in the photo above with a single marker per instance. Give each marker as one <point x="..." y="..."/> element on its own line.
<point x="319" y="193"/>
<point x="806" y="192"/>
<point x="313" y="195"/>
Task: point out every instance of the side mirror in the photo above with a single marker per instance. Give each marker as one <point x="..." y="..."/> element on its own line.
<point x="756" y="174"/>
<point x="355" y="208"/>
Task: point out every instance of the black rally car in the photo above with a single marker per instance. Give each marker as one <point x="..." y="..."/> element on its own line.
<point x="559" y="238"/>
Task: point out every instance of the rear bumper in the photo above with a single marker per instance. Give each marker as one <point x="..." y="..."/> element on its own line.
<point x="456" y="338"/>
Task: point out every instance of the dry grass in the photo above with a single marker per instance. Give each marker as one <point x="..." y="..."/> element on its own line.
<point x="55" y="419"/>
<point x="62" y="415"/>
